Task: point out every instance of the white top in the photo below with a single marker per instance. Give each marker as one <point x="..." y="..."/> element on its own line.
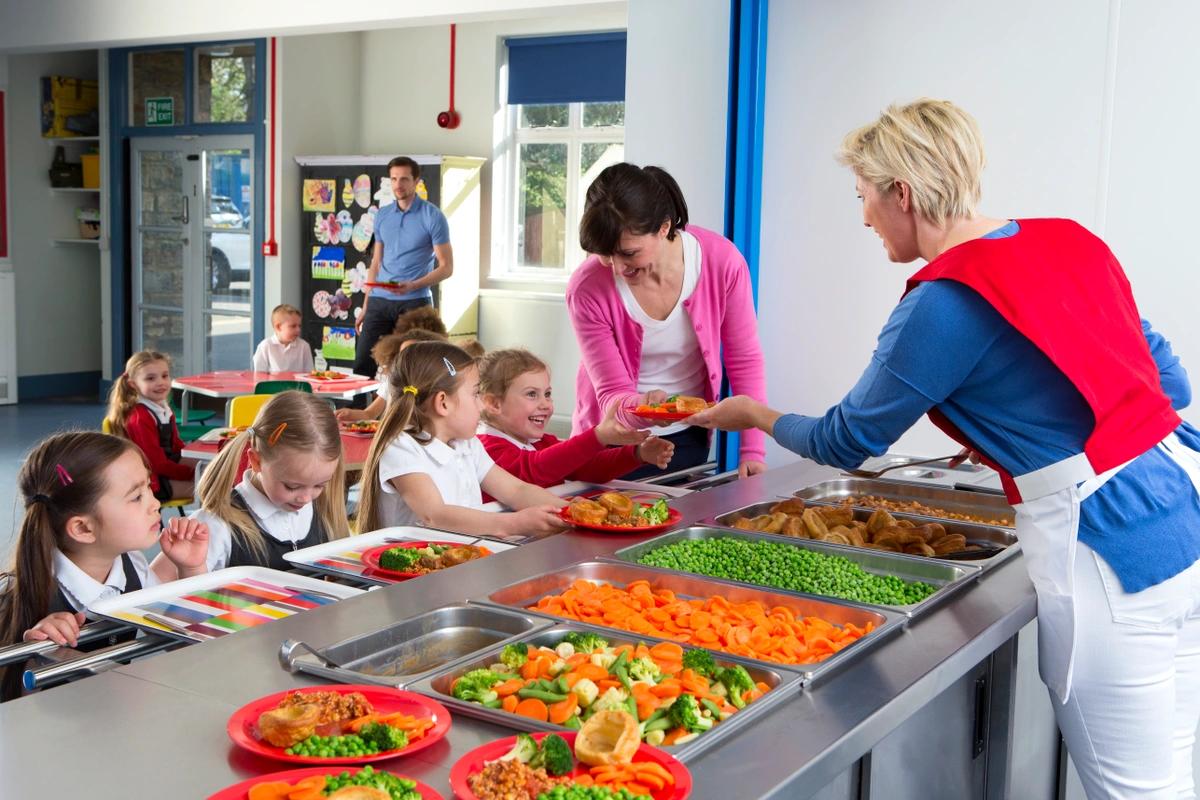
<point x="161" y="413"/>
<point x="457" y="469"/>
<point x="82" y="590"/>
<point x="671" y="358"/>
<point x="491" y="430"/>
<point x="280" y="524"/>
<point x="383" y="391"/>
<point x="274" y="356"/>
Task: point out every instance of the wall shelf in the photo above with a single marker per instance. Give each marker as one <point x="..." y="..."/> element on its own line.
<point x="62" y="139"/>
<point x="57" y="242"/>
<point x="73" y="189"/>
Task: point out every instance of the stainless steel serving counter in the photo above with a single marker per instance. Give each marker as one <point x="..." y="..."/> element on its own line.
<point x="156" y="728"/>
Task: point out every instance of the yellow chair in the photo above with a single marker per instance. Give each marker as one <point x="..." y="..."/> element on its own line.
<point x="243" y="409"/>
<point x="178" y="503"/>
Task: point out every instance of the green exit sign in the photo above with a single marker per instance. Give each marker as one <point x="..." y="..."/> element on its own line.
<point x="160" y="110"/>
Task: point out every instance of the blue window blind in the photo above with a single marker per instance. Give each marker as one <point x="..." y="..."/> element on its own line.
<point x="587" y="68"/>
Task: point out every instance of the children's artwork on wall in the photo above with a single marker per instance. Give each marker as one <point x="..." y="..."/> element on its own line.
<point x="337" y="343"/>
<point x="328" y="263"/>
<point x="340" y="305"/>
<point x="356" y="277"/>
<point x="321" y="229"/>
<point x="362" y="190"/>
<point x="422" y="189"/>
<point x="347" y="193"/>
<point x="318" y="194"/>
<point x="364" y="229"/>
<point x="322" y="303"/>
<point x="384" y="195"/>
<point x="345" y="226"/>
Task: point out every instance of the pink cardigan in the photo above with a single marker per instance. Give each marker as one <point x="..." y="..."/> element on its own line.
<point x="721" y="310"/>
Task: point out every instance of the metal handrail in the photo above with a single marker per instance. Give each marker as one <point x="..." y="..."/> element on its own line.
<point x="667" y="478"/>
<point x="709" y="481"/>
<point x="88" y="633"/>
<point x="96" y="661"/>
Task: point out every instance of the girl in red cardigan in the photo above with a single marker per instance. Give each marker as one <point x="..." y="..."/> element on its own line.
<point x="517" y="404"/>
<point x="138" y="411"/>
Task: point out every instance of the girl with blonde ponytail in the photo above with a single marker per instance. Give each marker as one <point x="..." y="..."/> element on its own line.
<point x="426" y="467"/>
<point x="292" y="496"/>
<point x="89" y="513"/>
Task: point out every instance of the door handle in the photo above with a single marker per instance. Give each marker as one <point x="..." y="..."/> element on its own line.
<point x="186" y="215"/>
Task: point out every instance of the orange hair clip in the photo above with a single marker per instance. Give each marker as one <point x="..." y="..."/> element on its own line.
<point x="275" y="434"/>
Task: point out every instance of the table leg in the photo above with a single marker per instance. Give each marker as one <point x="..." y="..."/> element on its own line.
<point x="184" y="403"/>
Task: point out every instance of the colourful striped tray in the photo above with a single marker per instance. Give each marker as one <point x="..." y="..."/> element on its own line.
<point x="219" y="603"/>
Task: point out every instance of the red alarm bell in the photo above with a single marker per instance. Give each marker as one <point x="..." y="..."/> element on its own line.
<point x="449" y="118"/>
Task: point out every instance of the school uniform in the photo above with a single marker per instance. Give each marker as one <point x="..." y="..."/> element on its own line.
<point x="78" y="591"/>
<point x="550" y="461"/>
<point x="152" y="428"/>
<point x="273" y="355"/>
<point x="457" y="469"/>
<point x="283" y="531"/>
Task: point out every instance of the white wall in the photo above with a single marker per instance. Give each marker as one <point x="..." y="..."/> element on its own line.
<point x="1035" y="76"/>
<point x="58" y="288"/>
<point x="677" y="96"/>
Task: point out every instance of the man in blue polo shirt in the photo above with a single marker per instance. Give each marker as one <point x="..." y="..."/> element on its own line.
<point x="412" y="250"/>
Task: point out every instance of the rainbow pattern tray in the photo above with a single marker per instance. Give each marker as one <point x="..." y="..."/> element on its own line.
<point x="219" y="603"/>
<point x="343" y="557"/>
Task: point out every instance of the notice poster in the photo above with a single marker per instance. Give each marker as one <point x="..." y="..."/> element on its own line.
<point x="328" y="263"/>
<point x="318" y="194"/>
<point x="337" y="343"/>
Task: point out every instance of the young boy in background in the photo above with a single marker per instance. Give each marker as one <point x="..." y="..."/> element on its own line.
<point x="285" y="351"/>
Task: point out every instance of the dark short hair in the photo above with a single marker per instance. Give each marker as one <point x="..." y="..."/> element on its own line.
<point x="625" y="197"/>
<point x="405" y="161"/>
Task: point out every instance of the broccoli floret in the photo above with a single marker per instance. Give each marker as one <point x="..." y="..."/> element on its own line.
<point x="700" y="662"/>
<point x="554" y="756"/>
<point x="585" y="642"/>
<point x="685" y="712"/>
<point x="737" y="681"/>
<point x="612" y="700"/>
<point x="524" y="750"/>
<point x="476" y="686"/>
<point x="655" y="514"/>
<point x="515" y="655"/>
<point x="643" y="669"/>
<point x="399" y="559"/>
<point x="385" y="737"/>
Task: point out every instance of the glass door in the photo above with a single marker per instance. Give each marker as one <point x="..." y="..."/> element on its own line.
<point x="193" y="250"/>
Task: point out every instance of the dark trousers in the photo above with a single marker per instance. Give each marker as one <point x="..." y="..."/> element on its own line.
<point x="691" y="450"/>
<point x="380" y="320"/>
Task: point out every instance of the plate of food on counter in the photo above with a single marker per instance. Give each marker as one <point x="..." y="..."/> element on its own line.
<point x="615" y="512"/>
<point x="404" y="560"/>
<point x="360" y="427"/>
<point x="327" y="783"/>
<point x="341" y="724"/>
<point x="675" y="695"/>
<point x="674" y="408"/>
<point x="604" y="759"/>
<point x="221" y="435"/>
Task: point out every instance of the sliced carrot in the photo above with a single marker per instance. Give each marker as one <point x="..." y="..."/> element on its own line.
<point x="533" y="708"/>
<point x="561" y="711"/>
<point x="673" y="734"/>
<point x="270" y="790"/>
<point x="529" y="670"/>
<point x="509" y="703"/>
<point x="592" y="672"/>
<point x="505" y="688"/>
<point x="605" y="684"/>
<point x="637" y="789"/>
<point x="641" y="768"/>
<point x="583" y="780"/>
<point x="307" y="793"/>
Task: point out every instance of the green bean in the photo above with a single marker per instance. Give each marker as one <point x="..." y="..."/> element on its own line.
<point x="541" y="694"/>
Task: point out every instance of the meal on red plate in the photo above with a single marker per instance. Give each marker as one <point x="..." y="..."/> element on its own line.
<point x="326" y="375"/>
<point x="614" y="508"/>
<point x="675" y="404"/>
<point x="361" y="426"/>
<point x="335" y="725"/>
<point x="230" y="433"/>
<point x="364" y="784"/>
<point x="430" y="558"/>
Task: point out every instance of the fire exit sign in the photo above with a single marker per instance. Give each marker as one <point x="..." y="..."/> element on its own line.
<point x="160" y="111"/>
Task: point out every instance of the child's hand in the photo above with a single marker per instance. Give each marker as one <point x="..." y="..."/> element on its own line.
<point x="656" y="451"/>
<point x="185" y="544"/>
<point x="610" y="432"/>
<point x="535" y="519"/>
<point x="349" y="414"/>
<point x="61" y="627"/>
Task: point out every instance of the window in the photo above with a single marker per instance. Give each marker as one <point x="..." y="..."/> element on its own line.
<point x="564" y="123"/>
<point x="193" y="84"/>
<point x="225" y="83"/>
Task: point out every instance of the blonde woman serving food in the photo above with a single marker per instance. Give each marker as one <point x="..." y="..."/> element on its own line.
<point x="660" y="308"/>
<point x="1021" y="339"/>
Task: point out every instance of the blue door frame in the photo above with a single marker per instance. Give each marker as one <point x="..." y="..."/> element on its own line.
<point x="119" y="189"/>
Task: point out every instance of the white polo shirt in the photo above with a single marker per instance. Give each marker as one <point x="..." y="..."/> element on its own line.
<point x="82" y="590"/>
<point x="274" y="356"/>
<point x="457" y="469"/>
<point x="278" y="523"/>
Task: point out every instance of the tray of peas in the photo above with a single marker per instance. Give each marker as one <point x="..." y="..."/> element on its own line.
<point x="909" y="585"/>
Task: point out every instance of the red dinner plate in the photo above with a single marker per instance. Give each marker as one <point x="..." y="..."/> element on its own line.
<point x="661" y="416"/>
<point x="371" y="558"/>
<point x="243" y="725"/>
<point x="673" y="516"/>
<point x="344" y="428"/>
<point x="241" y="791"/>
<point x="472" y="763"/>
<point x="381" y="284"/>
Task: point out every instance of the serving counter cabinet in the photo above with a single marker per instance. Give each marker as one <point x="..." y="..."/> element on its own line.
<point x="947" y="706"/>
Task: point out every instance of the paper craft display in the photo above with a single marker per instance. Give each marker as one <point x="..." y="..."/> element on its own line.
<point x="383" y="195"/>
<point x="324" y="230"/>
<point x="322" y="303"/>
<point x="328" y="263"/>
<point x="318" y="194"/>
<point x="362" y="190"/>
<point x="339" y="305"/>
<point x="422" y="189"/>
<point x="347" y="194"/>
<point x="355" y="278"/>
<point x="337" y="343"/>
<point x="345" y="226"/>
<point x="364" y="229"/>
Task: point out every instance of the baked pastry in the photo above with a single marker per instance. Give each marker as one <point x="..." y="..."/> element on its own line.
<point x="836" y="515"/>
<point x="879" y="520"/>
<point x="951" y="543"/>
<point x="817" y="529"/>
<point x="792" y="506"/>
<point x="588" y="512"/>
<point x="289" y="724"/>
<point x="690" y="405"/>
<point x="617" y="504"/>
<point x="609" y="737"/>
<point x="795" y="527"/>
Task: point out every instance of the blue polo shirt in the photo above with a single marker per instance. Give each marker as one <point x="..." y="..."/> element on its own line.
<point x="408" y="239"/>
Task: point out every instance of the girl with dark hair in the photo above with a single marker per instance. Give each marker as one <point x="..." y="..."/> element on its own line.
<point x="660" y="308"/>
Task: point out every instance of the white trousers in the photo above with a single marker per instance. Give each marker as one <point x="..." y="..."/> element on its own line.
<point x="1130" y="720"/>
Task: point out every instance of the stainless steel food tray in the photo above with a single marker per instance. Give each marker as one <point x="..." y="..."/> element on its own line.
<point x="784" y="684"/>
<point x="528" y="592"/>
<point x="975" y="534"/>
<point x="948" y="577"/>
<point x="403" y="652"/>
<point x="977" y="504"/>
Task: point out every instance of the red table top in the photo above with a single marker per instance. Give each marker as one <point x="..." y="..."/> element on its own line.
<point x="354" y="450"/>
<point x="234" y="383"/>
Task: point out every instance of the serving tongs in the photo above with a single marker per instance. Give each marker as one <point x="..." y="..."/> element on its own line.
<point x="287" y="652"/>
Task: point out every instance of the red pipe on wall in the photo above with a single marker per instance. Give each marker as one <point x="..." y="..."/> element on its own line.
<point x="270" y="246"/>
<point x="449" y="118"/>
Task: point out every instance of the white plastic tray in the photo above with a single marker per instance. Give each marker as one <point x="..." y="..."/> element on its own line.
<point x="219" y="603"/>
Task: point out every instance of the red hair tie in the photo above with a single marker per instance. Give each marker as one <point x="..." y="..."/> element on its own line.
<point x="64" y="477"/>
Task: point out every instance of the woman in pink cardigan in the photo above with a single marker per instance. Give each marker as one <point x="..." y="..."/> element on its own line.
<point x="658" y="309"/>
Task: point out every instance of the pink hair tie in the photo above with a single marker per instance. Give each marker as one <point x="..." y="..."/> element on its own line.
<point x="64" y="477"/>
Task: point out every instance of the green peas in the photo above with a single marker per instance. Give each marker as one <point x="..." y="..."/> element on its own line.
<point x="783" y="566"/>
